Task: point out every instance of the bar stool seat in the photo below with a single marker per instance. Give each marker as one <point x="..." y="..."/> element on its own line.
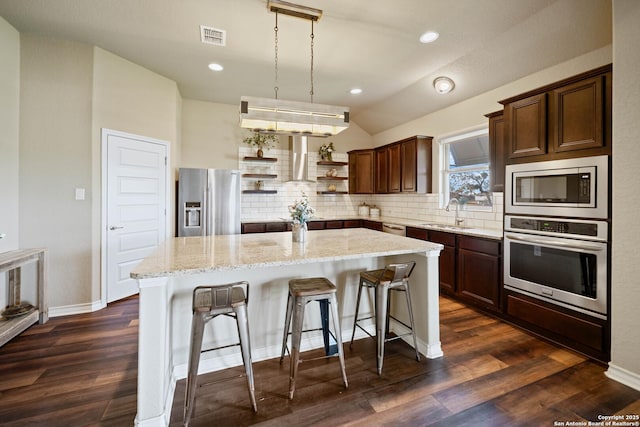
<point x="209" y="302"/>
<point x="394" y="277"/>
<point x="302" y="291"/>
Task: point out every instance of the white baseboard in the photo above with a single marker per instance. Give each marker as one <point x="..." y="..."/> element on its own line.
<point x="623" y="376"/>
<point x="75" y="309"/>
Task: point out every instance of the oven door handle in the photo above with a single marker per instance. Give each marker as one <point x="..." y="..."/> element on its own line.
<point x="555" y="242"/>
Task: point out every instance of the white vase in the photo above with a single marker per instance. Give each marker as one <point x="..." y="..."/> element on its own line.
<point x="299" y="232"/>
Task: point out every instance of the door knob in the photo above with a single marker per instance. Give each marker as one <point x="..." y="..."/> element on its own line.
<point x="113" y="227"/>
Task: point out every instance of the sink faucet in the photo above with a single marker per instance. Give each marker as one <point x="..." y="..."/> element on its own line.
<point x="458" y="220"/>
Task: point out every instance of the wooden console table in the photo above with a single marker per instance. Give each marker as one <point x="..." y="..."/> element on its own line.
<point x="14" y="261"/>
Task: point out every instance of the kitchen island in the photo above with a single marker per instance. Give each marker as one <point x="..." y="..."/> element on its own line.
<point x="267" y="261"/>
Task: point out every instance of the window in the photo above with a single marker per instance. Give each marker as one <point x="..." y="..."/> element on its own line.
<point x="466" y="168"/>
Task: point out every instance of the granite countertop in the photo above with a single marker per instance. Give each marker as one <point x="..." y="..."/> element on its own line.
<point x="193" y="255"/>
<point x="433" y="225"/>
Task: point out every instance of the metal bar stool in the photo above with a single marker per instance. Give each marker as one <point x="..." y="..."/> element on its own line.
<point x="208" y="303"/>
<point x="394" y="277"/>
<point x="302" y="291"/>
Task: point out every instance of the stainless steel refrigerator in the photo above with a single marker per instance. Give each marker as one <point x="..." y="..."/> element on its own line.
<point x="208" y="202"/>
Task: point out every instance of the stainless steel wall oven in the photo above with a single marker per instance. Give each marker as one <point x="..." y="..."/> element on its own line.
<point x="556" y="232"/>
<point x="563" y="261"/>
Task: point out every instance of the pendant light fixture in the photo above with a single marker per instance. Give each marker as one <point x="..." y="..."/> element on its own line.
<point x="277" y="116"/>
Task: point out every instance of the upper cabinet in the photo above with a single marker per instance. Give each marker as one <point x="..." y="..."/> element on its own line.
<point x="416" y="164"/>
<point x="361" y="171"/>
<point x="497" y="150"/>
<point x="570" y="118"/>
<point x="400" y="167"/>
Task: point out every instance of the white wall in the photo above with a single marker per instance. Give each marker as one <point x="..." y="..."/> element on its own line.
<point x="132" y="99"/>
<point x="211" y="136"/>
<point x="625" y="316"/>
<point x="9" y="132"/>
<point x="55" y="153"/>
<point x="470" y="113"/>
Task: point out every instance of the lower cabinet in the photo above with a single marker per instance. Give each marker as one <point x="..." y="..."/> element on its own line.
<point x="372" y="225"/>
<point x="480" y="271"/>
<point x="470" y="267"/>
<point x="270" y="227"/>
<point x="586" y="334"/>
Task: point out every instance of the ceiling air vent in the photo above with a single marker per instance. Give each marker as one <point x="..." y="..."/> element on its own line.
<point x="212" y="35"/>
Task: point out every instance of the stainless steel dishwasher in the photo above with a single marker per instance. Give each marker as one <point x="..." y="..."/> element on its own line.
<point x="399" y="230"/>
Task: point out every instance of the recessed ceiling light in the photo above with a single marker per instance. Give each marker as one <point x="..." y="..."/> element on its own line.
<point x="355" y="91"/>
<point x="429" y="36"/>
<point x="443" y="84"/>
<point x="215" y="67"/>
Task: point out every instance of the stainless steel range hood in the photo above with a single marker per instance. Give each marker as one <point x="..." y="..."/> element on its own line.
<point x="299" y="159"/>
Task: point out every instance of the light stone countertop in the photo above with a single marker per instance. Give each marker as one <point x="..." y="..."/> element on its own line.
<point x="193" y="255"/>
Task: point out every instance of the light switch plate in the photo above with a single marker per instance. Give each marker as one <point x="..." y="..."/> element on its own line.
<point x="79" y="193"/>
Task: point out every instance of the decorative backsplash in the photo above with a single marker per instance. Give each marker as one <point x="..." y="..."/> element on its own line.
<point x="266" y="206"/>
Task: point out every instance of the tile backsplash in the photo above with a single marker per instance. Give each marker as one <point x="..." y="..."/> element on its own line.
<point x="422" y="207"/>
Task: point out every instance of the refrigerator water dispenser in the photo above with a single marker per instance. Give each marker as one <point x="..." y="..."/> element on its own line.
<point x="192" y="214"/>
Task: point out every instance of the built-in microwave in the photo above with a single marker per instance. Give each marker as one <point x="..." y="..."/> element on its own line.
<point x="575" y="188"/>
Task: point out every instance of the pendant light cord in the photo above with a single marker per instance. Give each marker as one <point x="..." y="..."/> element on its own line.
<point x="312" y="37"/>
<point x="275" y="30"/>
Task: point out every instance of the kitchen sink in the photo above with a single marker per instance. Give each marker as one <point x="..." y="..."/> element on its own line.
<point x="445" y="226"/>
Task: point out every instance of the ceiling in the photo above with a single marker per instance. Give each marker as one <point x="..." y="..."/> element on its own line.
<point x="370" y="44"/>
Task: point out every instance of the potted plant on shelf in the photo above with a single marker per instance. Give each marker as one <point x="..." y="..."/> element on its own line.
<point x="301" y="212"/>
<point x="325" y="151"/>
<point x="261" y="141"/>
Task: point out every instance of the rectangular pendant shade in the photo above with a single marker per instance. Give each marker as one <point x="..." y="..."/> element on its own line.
<point x="282" y="117"/>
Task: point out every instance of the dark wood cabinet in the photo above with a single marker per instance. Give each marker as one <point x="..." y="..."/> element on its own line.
<point x="382" y="169"/>
<point x="583" y="333"/>
<point x="271" y="227"/>
<point x="331" y="225"/>
<point x="447" y="261"/>
<point x="479" y="271"/>
<point x="403" y="166"/>
<point x="351" y="223"/>
<point x="416" y="164"/>
<point x="372" y="225"/>
<point x="569" y="118"/>
<point x="578" y="112"/>
<point x="497" y="150"/>
<point x="526" y="123"/>
<point x="361" y="171"/>
<point x="316" y="225"/>
<point x="252" y="227"/>
<point x="395" y="168"/>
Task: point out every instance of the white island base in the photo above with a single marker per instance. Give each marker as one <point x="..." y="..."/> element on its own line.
<point x="267" y="261"/>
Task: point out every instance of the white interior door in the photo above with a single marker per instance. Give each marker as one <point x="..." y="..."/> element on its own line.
<point x="136" y="201"/>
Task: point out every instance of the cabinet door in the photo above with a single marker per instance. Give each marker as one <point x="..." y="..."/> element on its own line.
<point x="275" y="226"/>
<point x="252" y="227"/>
<point x="351" y="223"/>
<point x="333" y="224"/>
<point x="316" y="225"/>
<point x="578" y="114"/>
<point x="372" y="225"/>
<point x="382" y="170"/>
<point x="447" y="269"/>
<point x="497" y="152"/>
<point x="409" y="164"/>
<point x="395" y="169"/>
<point x="526" y="122"/>
<point x="361" y="172"/>
<point x="479" y="278"/>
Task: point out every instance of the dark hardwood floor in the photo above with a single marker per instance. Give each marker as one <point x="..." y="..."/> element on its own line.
<point x="81" y="370"/>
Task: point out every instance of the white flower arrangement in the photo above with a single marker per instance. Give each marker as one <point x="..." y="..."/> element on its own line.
<point x="301" y="212"/>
